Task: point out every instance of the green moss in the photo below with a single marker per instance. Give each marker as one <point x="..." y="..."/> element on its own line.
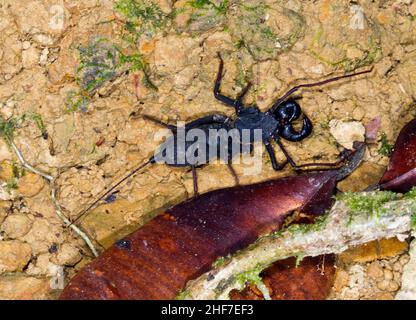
<point x="410" y="194"/>
<point x="75" y="101"/>
<point x="142" y="17"/>
<point x="318" y="225"/>
<point x="183" y="295"/>
<point x="324" y="125"/>
<point x="262" y="41"/>
<point x="414" y="222"/>
<point x="9" y="126"/>
<point x="253" y="277"/>
<point x="299" y="258"/>
<point x="220" y="9"/>
<point x="239" y="44"/>
<point x="371" y="204"/>
<point x="386" y="147"/>
<point x="11" y="184"/>
<point x="98" y="64"/>
<point x="37" y="118"/>
<point x="219" y="262"/>
<point x="372" y="52"/>
<point x="17" y="173"/>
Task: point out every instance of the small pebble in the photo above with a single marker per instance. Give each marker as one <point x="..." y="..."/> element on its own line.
<point x="397" y="276"/>
<point x="383" y="285"/>
<point x="388" y="275"/>
<point x="397" y="266"/>
<point x="393" y="286"/>
<point x="404" y="259"/>
<point x="26" y="45"/>
<point x="374" y="270"/>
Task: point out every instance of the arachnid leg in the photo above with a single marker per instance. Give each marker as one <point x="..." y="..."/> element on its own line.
<point x="233" y="173"/>
<point x="216" y="118"/>
<point x="270" y="151"/>
<point x="163" y="124"/>
<point x="279" y="101"/>
<point x="242" y="94"/>
<point x="321" y="165"/>
<point x="195" y="181"/>
<point x="224" y="99"/>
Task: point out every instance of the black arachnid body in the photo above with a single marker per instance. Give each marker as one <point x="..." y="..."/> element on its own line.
<point x="275" y="123"/>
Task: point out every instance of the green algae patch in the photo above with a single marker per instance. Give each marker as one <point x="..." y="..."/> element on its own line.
<point x="219" y="262"/>
<point x="386" y="147"/>
<point x="99" y="64"/>
<point x="253" y="277"/>
<point x="263" y="30"/>
<point x="368" y="203"/>
<point x="204" y="15"/>
<point x="143" y="17"/>
<point x="183" y="295"/>
<point x="317" y="225"/>
<point x="339" y="42"/>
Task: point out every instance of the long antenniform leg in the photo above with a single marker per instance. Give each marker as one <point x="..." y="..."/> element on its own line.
<point x="159" y="122"/>
<point x="108" y="191"/>
<point x="320" y="165"/>
<point x="236" y="103"/>
<point x="309" y="85"/>
<point x="216" y="118"/>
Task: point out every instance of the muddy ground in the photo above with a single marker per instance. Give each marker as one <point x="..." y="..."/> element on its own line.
<point x="76" y="77"/>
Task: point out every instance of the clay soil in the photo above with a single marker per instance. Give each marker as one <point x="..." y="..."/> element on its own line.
<point x="76" y="78"/>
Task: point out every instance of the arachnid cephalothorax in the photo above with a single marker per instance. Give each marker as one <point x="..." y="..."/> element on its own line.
<point x="275" y="124"/>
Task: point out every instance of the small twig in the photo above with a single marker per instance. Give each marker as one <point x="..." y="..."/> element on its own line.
<point x="58" y="208"/>
<point x="26" y="164"/>
<point x="341" y="229"/>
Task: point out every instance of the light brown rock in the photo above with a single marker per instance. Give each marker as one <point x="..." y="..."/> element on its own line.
<point x="68" y="255"/>
<point x="42" y="235"/>
<point x="21" y="287"/>
<point x="63" y="68"/>
<point x="169" y="59"/>
<point x="14" y="255"/>
<point x="388" y="275"/>
<point x="397" y="266"/>
<point x="30" y="184"/>
<point x="393" y="286"/>
<point x="404" y="259"/>
<point x="30" y="57"/>
<point x="392" y="247"/>
<point x="371" y="251"/>
<point x="374" y="270"/>
<point x="16" y="225"/>
<point x="41" y="266"/>
<point x="347" y="132"/>
<point x="383" y="285"/>
<point x="341" y="279"/>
